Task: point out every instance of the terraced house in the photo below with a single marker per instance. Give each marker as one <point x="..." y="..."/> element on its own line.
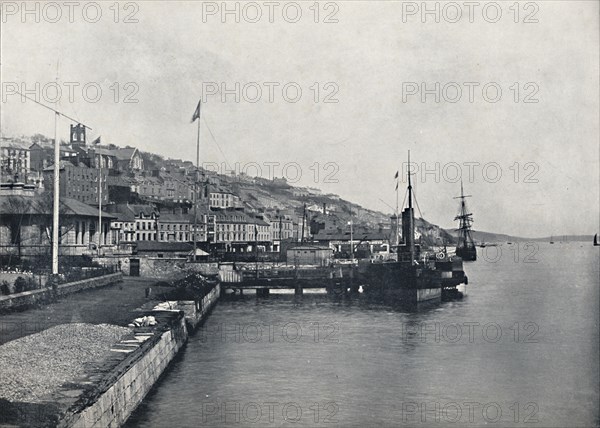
<point x="79" y="182"/>
<point x="221" y="198"/>
<point x="15" y="160"/>
<point x="179" y="227"/>
<point x="237" y="231"/>
<point x="144" y="219"/>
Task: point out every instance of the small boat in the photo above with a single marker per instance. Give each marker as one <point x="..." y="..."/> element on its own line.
<point x="596" y="240"/>
<point x="551" y="239"/>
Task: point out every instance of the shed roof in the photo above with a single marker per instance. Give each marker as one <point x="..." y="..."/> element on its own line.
<point x="147" y="246"/>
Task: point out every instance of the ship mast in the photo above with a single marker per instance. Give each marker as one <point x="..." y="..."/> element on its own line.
<point x="465" y="219"/>
<point x="411" y="237"/>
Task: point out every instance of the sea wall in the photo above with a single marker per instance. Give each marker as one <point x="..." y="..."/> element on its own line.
<point x="27" y="298"/>
<point x="129" y="383"/>
<point x="159" y="267"/>
<point x="112" y="401"/>
<point x="195" y="312"/>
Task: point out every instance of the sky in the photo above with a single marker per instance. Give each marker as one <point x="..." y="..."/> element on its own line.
<point x="516" y="115"/>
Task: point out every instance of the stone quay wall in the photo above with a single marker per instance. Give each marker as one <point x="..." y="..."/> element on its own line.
<point x="195" y="312"/>
<point x="116" y="398"/>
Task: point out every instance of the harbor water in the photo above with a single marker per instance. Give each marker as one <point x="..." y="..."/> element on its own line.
<point x="520" y="350"/>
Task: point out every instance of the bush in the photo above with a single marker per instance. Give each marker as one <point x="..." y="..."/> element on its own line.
<point x="31" y="284"/>
<point x="20" y="284"/>
<point x="5" y="288"/>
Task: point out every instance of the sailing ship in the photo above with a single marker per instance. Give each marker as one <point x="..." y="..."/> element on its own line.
<point x="465" y="247"/>
<point x="413" y="277"/>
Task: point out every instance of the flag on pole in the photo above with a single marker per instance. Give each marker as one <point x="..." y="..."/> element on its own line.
<point x="396" y="176"/>
<point x="97" y="141"/>
<point x="196" y="113"/>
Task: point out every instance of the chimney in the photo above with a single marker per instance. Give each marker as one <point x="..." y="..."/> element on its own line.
<point x="395" y="230"/>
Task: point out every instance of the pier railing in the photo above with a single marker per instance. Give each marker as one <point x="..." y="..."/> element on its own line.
<point x="282" y="273"/>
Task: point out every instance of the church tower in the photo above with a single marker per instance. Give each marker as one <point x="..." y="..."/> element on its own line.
<point x="77" y="135"/>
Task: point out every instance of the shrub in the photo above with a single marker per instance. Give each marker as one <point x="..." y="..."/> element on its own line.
<point x="5" y="288"/>
<point x="31" y="284"/>
<point x="20" y="284"/>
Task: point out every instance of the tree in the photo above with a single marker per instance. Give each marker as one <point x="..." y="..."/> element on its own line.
<point x="19" y="211"/>
<point x="14" y="210"/>
<point x="40" y="138"/>
<point x="44" y="208"/>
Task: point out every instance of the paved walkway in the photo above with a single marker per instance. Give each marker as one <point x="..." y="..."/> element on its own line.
<point x="111" y="305"/>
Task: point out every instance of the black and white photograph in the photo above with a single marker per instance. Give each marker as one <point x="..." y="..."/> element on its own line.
<point x="302" y="213"/>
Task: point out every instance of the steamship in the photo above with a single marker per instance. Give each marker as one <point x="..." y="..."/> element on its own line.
<point x="414" y="277"/>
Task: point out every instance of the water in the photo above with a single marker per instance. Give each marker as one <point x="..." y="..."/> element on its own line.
<point x="526" y="354"/>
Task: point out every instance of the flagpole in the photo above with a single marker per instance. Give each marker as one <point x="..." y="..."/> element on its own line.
<point x="196" y="184"/>
<point x="56" y="196"/>
<point x="56" y="176"/>
<point x="56" y="189"/>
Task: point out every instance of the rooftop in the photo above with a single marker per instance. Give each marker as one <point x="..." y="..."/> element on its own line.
<point x="42" y="206"/>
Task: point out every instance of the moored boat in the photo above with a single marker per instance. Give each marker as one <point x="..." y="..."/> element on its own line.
<point x="412" y="278"/>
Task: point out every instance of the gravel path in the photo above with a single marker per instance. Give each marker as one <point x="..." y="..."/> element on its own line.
<point x="111" y="305"/>
<point x="35" y="366"/>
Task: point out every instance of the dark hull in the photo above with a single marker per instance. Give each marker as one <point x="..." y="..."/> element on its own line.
<point x="468" y="254"/>
<point x="400" y="280"/>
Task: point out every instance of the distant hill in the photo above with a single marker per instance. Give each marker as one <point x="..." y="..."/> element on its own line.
<point x="565" y="238"/>
<point x="480" y="236"/>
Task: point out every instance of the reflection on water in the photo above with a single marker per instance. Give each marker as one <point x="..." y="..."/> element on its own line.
<point x="520" y="350"/>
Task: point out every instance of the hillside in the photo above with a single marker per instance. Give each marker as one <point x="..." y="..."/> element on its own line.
<point x="263" y="195"/>
<point x="256" y="194"/>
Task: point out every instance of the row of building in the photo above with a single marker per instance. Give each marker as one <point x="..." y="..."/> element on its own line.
<point x="119" y="200"/>
<point x="93" y="173"/>
<point x="230" y="230"/>
<point x="26" y="218"/>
